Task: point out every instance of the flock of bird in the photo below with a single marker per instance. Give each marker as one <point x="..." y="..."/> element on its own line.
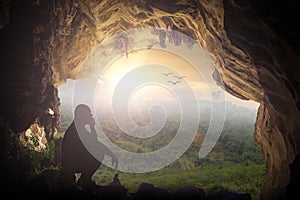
<point x="174" y="76"/>
<point x="215" y="95"/>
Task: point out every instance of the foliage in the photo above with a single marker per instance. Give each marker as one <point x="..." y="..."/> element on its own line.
<point x="19" y="164"/>
<point x="235" y="163"/>
<point x="237" y="178"/>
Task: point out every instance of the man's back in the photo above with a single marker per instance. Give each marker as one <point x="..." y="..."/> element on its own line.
<point x="75" y="156"/>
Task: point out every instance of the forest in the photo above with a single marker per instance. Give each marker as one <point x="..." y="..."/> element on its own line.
<point x="235" y="163"/>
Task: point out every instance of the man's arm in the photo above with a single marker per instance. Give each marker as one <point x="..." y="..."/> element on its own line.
<point x="105" y="149"/>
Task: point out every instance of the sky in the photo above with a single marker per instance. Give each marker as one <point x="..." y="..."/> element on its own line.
<point x="151" y="73"/>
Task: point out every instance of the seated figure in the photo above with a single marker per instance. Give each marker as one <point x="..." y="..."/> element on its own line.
<point x="76" y="158"/>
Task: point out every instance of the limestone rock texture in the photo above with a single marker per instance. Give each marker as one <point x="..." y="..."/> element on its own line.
<point x="253" y="43"/>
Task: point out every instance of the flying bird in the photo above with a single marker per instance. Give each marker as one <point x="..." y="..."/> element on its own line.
<point x="216" y="95"/>
<point x="133" y="51"/>
<point x="174" y="83"/>
<point x="167" y="74"/>
<point x="179" y="77"/>
<point x="150" y="46"/>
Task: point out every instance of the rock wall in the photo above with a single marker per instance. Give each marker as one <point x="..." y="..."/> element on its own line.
<point x="253" y="27"/>
<point x="254" y="45"/>
<point x="279" y="147"/>
<point x="26" y="82"/>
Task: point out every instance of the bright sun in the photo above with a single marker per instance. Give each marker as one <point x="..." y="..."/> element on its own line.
<point x="181" y="67"/>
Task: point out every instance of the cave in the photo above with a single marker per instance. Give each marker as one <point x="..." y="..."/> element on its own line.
<point x="254" y="45"/>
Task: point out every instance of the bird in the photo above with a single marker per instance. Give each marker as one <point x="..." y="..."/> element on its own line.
<point x="150" y="46"/>
<point x="174" y="83"/>
<point x="167" y="74"/>
<point x="133" y="51"/>
<point x="216" y="95"/>
<point x="179" y="77"/>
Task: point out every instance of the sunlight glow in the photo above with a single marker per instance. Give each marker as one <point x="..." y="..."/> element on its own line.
<point x="183" y="68"/>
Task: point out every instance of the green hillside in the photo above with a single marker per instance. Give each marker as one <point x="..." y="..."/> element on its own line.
<point x="235" y="163"/>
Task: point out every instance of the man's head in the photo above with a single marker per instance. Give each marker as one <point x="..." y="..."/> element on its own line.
<point x="83" y="115"/>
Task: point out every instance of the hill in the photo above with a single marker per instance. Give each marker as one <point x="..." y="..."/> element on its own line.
<point x="234" y="164"/>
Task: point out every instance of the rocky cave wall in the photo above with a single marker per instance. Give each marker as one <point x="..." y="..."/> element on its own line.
<point x="26" y="81"/>
<point x="253" y="44"/>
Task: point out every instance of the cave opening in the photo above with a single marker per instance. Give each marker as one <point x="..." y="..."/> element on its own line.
<point x="235" y="154"/>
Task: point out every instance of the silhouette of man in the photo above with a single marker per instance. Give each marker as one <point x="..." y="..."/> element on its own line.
<point x="75" y="157"/>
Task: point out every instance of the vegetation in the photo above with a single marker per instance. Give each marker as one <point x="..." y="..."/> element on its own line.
<point x="235" y="163"/>
<point x="237" y="178"/>
<point x="21" y="165"/>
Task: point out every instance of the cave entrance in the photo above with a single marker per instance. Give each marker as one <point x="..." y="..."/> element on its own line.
<point x="165" y="72"/>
